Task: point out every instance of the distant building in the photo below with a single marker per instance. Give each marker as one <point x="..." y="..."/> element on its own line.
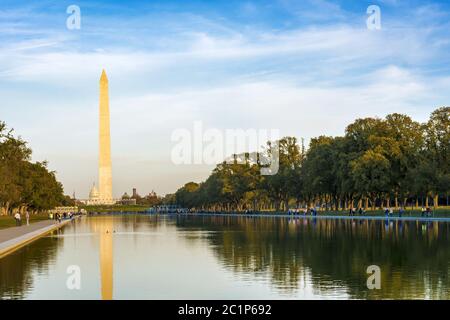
<point x="127" y="200"/>
<point x="94" y="197"/>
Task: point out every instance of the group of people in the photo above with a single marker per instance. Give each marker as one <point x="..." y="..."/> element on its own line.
<point x="18" y="218"/>
<point x="389" y="212"/>
<point x="59" y="216"/>
<point x="426" y="212"/>
<point x="305" y="211"/>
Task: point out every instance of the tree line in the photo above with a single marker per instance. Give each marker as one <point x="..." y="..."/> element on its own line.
<point x="388" y="162"/>
<point x="25" y="184"/>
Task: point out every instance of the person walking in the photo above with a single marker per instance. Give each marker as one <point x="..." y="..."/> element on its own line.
<point x="27" y="216"/>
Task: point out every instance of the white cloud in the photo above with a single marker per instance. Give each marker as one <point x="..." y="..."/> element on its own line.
<point x="306" y="82"/>
<point x="57" y="58"/>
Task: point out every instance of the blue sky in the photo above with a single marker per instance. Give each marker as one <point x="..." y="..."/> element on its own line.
<point x="304" y="67"/>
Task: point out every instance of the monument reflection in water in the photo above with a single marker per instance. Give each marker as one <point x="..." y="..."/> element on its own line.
<point x="105" y="227"/>
<point x="160" y="257"/>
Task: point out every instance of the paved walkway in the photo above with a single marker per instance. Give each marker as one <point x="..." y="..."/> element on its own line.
<point x="14" y="232"/>
<point x="16" y="237"/>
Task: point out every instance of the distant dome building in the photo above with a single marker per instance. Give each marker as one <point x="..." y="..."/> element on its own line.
<point x="94" y="196"/>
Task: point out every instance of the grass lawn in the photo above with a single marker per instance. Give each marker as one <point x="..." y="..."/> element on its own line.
<point x="8" y="221"/>
<point x="115" y="208"/>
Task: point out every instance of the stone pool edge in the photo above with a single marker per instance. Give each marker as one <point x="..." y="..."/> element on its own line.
<point x="14" y="244"/>
<point x="297" y="216"/>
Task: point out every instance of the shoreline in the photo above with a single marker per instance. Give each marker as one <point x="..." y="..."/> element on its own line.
<point x="285" y="215"/>
<point x="13" y="244"/>
<point x="424" y="219"/>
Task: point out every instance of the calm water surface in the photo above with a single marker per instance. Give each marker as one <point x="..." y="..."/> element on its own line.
<point x="214" y="257"/>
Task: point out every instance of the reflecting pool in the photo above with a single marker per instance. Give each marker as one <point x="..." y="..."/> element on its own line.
<point x="229" y="257"/>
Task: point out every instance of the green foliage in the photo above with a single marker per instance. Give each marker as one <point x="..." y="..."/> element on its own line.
<point x="23" y="183"/>
<point x="377" y="160"/>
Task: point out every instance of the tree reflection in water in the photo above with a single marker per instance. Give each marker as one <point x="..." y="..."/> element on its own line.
<point x="413" y="256"/>
<point x="16" y="269"/>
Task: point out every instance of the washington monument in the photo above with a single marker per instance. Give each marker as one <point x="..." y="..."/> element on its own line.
<point x="104" y="157"/>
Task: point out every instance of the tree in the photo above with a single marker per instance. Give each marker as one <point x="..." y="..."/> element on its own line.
<point x="186" y="196"/>
<point x="371" y="174"/>
<point x="23" y="183"/>
<point x="437" y="141"/>
<point x="282" y="186"/>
